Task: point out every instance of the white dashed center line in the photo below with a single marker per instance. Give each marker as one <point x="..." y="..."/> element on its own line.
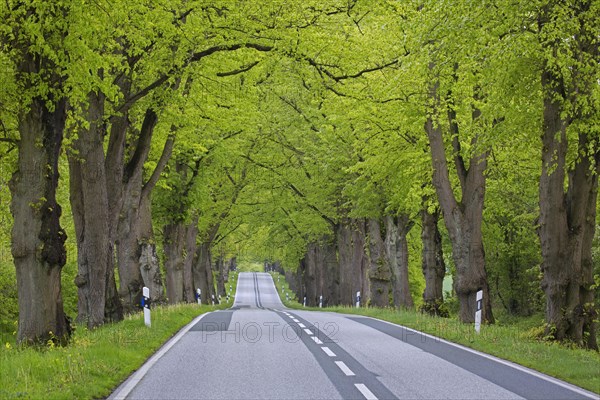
<point x="308" y="331"/>
<point x="328" y="351"/>
<point x="317" y="340"/>
<point x="365" y="391"/>
<point x="344" y="368"/>
<point x="301" y="325"/>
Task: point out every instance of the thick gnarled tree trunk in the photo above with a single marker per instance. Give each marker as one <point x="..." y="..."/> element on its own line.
<point x="138" y="266"/>
<point x="191" y="233"/>
<point x="352" y="261"/>
<point x="567" y="224"/>
<point x="37" y="238"/>
<point x="463" y="218"/>
<point x="174" y="244"/>
<point x="320" y="274"/>
<point x="98" y="301"/>
<point x="379" y="272"/>
<point x="202" y="272"/>
<point x="396" y="243"/>
<point x="434" y="268"/>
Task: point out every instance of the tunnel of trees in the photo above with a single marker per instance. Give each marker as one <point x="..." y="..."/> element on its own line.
<point x="376" y="146"/>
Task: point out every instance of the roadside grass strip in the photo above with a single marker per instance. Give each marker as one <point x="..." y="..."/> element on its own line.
<point x="96" y="361"/>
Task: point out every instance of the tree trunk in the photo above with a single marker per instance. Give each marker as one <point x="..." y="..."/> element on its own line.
<point x="331" y="295"/>
<point x="191" y="233"/>
<point x="344" y="244"/>
<point x="379" y="272"/>
<point x="202" y="272"/>
<point x="352" y="261"/>
<point x="463" y="219"/>
<point x="37" y="238"/>
<point x="147" y="262"/>
<point x="320" y="274"/>
<point x="174" y="244"/>
<point x="221" y="271"/>
<point x="136" y="249"/>
<point x="311" y="261"/>
<point x="567" y="223"/>
<point x="396" y="244"/>
<point x="98" y="300"/>
<point x="433" y="265"/>
<point x="128" y="247"/>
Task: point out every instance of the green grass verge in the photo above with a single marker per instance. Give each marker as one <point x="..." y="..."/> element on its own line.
<point x="96" y="361"/>
<point x="516" y="340"/>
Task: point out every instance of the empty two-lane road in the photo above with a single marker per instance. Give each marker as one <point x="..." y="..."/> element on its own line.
<point x="258" y="349"/>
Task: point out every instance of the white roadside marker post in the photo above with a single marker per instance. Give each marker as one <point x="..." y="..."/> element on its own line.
<point x="199" y="296"/>
<point x="357" y="299"/>
<point x="321" y="301"/>
<point x="304" y="302"/>
<point x="146" y="305"/>
<point x="478" y="311"/>
<point x="212" y="297"/>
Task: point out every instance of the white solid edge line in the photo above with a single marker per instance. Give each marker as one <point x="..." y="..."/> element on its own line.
<point x="365" y="391"/>
<point x="344" y="368"/>
<point x="308" y="332"/>
<point x="328" y="351"/>
<point x="138" y="375"/>
<point x="521" y="368"/>
<point x="317" y="340"/>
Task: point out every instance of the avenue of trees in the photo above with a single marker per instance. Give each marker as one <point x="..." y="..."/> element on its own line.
<point x="358" y="145"/>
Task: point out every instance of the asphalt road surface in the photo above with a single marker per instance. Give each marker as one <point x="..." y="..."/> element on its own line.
<point x="258" y="349"/>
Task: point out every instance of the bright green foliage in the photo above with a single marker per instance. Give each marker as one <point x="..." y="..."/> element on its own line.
<point x="96" y="362"/>
<point x="292" y="115"/>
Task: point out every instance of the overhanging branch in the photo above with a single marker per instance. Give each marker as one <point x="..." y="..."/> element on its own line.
<point x="193" y="58"/>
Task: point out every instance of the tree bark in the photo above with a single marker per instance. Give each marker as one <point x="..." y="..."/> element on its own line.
<point x="129" y="236"/>
<point x="128" y="243"/>
<point x="202" y="272"/>
<point x="567" y="222"/>
<point x="136" y="248"/>
<point x="352" y="260"/>
<point x="379" y="272"/>
<point x="310" y="271"/>
<point x="98" y="300"/>
<point x="320" y="274"/>
<point x="434" y="268"/>
<point x="191" y="233"/>
<point x="396" y="244"/>
<point x="463" y="219"/>
<point x="331" y="284"/>
<point x="37" y="238"/>
<point x="221" y="271"/>
<point x="174" y="244"/>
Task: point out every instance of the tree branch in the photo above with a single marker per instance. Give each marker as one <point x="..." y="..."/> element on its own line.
<point x="143" y="144"/>
<point x="338" y="78"/>
<point x="160" y="166"/>
<point x="193" y="58"/>
<point x="242" y="69"/>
